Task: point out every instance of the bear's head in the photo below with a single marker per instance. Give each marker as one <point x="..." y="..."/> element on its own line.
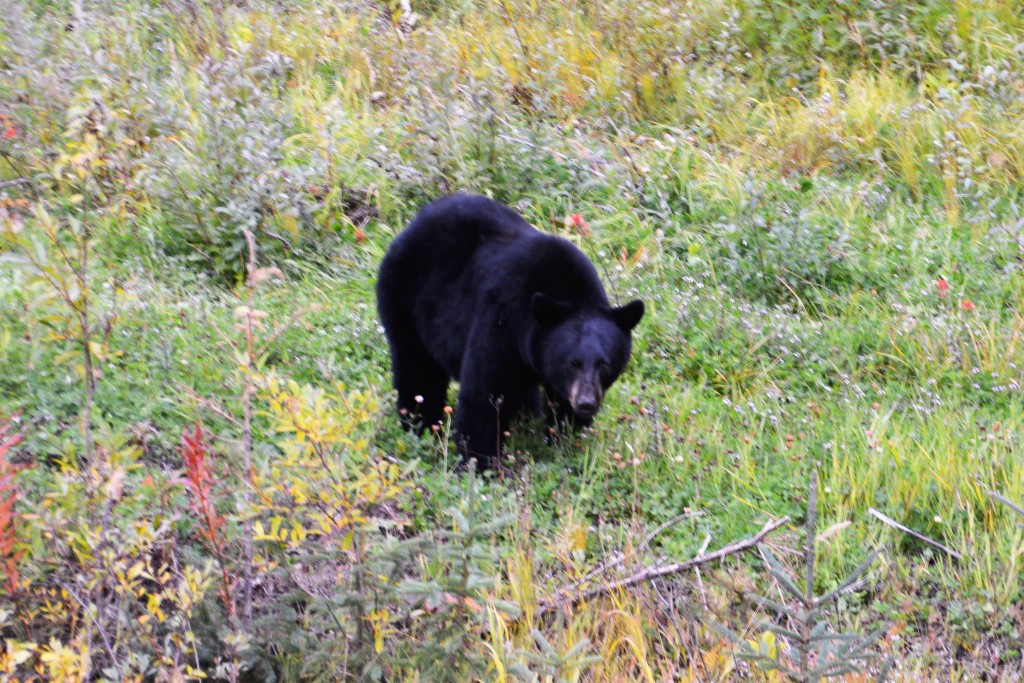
<point x="580" y="351"/>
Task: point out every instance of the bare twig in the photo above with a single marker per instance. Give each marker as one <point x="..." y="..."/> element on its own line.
<point x="700" y="581"/>
<point x="19" y="170"/>
<point x="655" y="572"/>
<point x="82" y="272"/>
<point x="896" y="525"/>
<point x="281" y="327"/>
<point x="283" y="240"/>
<point x="92" y="614"/>
<point x="1012" y="233"/>
<point x="209" y="404"/>
<point x="601" y="569"/>
<point x="808" y="624"/>
<point x="792" y="292"/>
<point x="1007" y="502"/>
<point x="247" y="439"/>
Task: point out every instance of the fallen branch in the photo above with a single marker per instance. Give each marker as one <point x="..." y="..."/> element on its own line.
<point x="896" y="525"/>
<point x="601" y="569"/>
<point x="279" y="238"/>
<point x="1007" y="502"/>
<point x="564" y="596"/>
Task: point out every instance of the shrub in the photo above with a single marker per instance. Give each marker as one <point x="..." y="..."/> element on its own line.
<point x="102" y="591"/>
<point x="782" y="252"/>
<point x="221" y="167"/>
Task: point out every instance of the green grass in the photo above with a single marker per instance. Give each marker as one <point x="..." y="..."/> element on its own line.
<point x="784" y="201"/>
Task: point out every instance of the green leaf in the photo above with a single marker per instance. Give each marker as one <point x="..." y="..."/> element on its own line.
<point x="40" y="249"/>
<point x="18" y="261"/>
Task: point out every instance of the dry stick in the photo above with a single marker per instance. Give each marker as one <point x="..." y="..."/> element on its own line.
<point x="893" y="523"/>
<point x="20" y="171"/>
<point x="601" y="569"/>
<point x="209" y="404"/>
<point x="247" y="440"/>
<point x="92" y="620"/>
<point x="1012" y="232"/>
<point x="1007" y="502"/>
<point x="793" y="292"/>
<point x="281" y="327"/>
<point x="809" y="622"/>
<point x="82" y="273"/>
<point x="700" y="581"/>
<point x="655" y="572"/>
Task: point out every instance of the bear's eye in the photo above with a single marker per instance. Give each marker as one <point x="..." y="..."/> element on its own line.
<point x="576" y="364"/>
<point x="602" y="366"/>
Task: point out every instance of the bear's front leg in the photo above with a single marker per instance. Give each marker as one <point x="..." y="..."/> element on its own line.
<point x="495" y="387"/>
<point x="421" y="383"/>
<point x="480" y="422"/>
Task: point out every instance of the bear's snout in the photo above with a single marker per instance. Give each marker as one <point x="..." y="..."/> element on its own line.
<point x="585" y="395"/>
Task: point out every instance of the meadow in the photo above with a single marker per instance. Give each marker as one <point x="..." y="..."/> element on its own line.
<point x="820" y="203"/>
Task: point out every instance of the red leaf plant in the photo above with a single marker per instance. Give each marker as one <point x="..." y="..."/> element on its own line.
<point x="579" y="224"/>
<point x="9" y="556"/>
<point x="195" y="453"/>
<point x="9" y="132"/>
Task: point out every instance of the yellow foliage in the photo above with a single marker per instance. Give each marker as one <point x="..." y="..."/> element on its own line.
<point x="380" y="621"/>
<point x="14" y="654"/>
<point x="766" y="645"/>
<point x="64" y="663"/>
<point x="327" y="481"/>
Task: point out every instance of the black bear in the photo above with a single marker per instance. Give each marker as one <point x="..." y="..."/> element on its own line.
<point x="470" y="291"/>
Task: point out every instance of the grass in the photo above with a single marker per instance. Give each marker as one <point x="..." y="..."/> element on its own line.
<point x="786" y="208"/>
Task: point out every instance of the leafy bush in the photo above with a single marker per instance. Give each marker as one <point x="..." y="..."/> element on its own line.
<point x="780" y="253"/>
<point x="903" y="38"/>
<point x="102" y="589"/>
<point x="220" y="167"/>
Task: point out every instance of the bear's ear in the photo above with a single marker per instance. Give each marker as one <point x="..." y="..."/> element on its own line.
<point x="547" y="311"/>
<point x="626" y="317"/>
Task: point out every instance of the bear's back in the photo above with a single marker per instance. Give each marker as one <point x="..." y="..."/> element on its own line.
<point x="459" y="224"/>
<point x="447" y="240"/>
<point x="462" y="244"/>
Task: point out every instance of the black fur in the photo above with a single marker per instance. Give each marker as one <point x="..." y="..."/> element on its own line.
<point x="470" y="291"/>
